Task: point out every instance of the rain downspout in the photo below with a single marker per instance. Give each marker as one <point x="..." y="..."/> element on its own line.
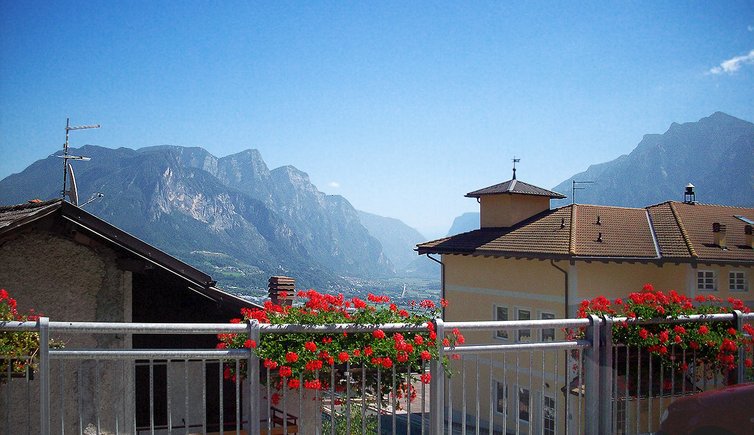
<point x="565" y="287"/>
<point x="442" y="279"/>
<point x="565" y="284"/>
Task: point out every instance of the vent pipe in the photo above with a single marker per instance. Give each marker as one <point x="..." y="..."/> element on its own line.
<point x="720" y="230"/>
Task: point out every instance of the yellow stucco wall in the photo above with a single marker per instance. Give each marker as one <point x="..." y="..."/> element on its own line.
<point x="506" y="210"/>
<point x="476" y="286"/>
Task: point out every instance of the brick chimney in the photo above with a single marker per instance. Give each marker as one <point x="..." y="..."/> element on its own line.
<point x="720" y="234"/>
<point x="749" y="238"/>
<point x="281" y="290"/>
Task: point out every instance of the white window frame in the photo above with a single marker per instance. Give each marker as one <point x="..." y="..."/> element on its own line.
<point x="702" y="275"/>
<point x="521" y="332"/>
<point x="497" y="385"/>
<point x="519" y="391"/>
<point x="554" y="414"/>
<point x="550" y="316"/>
<point x="497" y="333"/>
<point x="736" y="277"/>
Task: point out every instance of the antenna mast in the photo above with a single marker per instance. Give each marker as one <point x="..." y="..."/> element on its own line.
<point x="574" y="183"/>
<point x="66" y="156"/>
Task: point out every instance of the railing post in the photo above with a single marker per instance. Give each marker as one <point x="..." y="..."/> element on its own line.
<point x="252" y="380"/>
<point x="738" y="318"/>
<point x="592" y="377"/>
<point x="437" y="384"/>
<point x="44" y="375"/>
<point x="607" y="399"/>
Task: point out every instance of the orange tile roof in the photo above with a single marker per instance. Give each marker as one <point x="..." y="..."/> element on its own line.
<point x="514" y="186"/>
<point x="696" y="222"/>
<point x="668" y="231"/>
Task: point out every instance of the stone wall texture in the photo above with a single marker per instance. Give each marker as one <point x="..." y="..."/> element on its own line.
<point x="70" y="281"/>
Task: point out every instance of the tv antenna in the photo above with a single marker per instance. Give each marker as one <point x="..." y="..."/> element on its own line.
<point x="67" y="168"/>
<point x="574" y="188"/>
<point x="515" y="160"/>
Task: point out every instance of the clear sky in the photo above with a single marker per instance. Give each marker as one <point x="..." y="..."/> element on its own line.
<point x="401" y="107"/>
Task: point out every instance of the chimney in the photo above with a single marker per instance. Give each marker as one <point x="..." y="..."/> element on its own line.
<point x="281" y="289"/>
<point x="689" y="197"/>
<point x="749" y="238"/>
<point x="720" y="232"/>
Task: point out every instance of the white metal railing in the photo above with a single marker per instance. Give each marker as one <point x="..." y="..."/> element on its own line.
<point x="548" y="387"/>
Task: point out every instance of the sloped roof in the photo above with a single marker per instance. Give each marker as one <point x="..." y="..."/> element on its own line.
<point x="514" y="187"/>
<point x="694" y="222"/>
<point x="17" y="217"/>
<point x="667" y="231"/>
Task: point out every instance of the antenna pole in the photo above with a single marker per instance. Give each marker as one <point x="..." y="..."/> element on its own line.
<point x="574" y="183"/>
<point x="66" y="157"/>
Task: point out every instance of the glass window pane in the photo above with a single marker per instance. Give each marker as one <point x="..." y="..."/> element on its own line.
<point x="523" y="404"/>
<point x="549" y="333"/>
<point x="502" y="315"/>
<point x="524" y="333"/>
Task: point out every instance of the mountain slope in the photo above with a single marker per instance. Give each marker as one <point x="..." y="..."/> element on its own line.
<point x="231" y="216"/>
<point x="716" y="154"/>
<point x="398" y="239"/>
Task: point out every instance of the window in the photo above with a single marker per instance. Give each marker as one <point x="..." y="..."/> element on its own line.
<point x="548" y="416"/>
<point x="737" y="282"/>
<point x="706" y="280"/>
<point x="523" y="404"/>
<point x="501" y="398"/>
<point x="549" y="333"/>
<point x="620" y="417"/>
<point x="501" y="313"/>
<point x="524" y="334"/>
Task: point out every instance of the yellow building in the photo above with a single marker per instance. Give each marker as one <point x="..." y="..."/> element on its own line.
<point x="528" y="261"/>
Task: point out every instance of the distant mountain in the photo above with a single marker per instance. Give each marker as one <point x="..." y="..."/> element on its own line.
<point x="715" y="154"/>
<point x="465" y="222"/>
<point x="230" y="216"/>
<point x="398" y="239"/>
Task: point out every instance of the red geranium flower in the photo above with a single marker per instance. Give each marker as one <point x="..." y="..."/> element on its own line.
<point x="291" y="357"/>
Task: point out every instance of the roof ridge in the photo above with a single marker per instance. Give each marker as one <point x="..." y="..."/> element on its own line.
<point x="685" y="234"/>
<point x="571" y="235"/>
<point x="612" y="206"/>
<point x="653" y="232"/>
<point x="28" y="205"/>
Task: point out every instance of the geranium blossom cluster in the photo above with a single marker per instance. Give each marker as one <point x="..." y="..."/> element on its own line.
<point x="295" y="360"/>
<point x="17" y="348"/>
<point x="714" y="344"/>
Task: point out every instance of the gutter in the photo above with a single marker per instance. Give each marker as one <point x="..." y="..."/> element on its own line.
<point x="442" y="280"/>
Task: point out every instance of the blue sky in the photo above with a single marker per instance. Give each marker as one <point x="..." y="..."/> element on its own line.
<point x="401" y="107"/>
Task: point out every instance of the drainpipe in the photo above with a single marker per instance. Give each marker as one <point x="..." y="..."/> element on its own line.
<point x="565" y="284"/>
<point x="442" y="280"/>
<point x="565" y="363"/>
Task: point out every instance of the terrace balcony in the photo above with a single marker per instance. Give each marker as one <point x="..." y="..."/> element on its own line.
<point x="556" y="385"/>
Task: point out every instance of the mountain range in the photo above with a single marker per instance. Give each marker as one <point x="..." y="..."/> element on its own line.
<point x="232" y="216"/>
<point x="715" y="154"/>
<point x="241" y="222"/>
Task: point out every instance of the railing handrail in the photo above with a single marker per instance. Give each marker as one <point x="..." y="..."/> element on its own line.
<point x="265" y="328"/>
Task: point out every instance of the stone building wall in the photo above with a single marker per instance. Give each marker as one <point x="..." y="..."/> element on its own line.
<point x="69" y="280"/>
